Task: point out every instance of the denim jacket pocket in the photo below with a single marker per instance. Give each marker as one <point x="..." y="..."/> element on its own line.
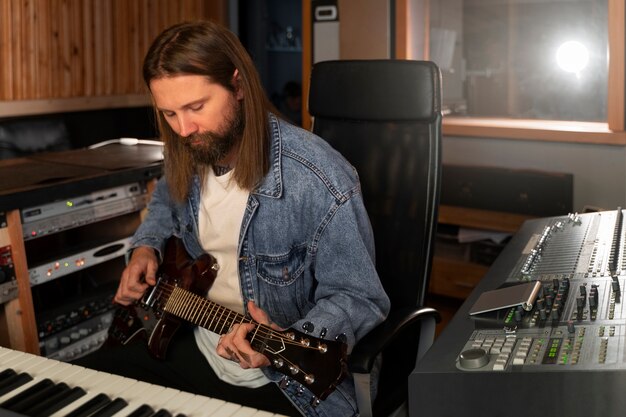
<point x="281" y="284"/>
<point x="282" y="269"/>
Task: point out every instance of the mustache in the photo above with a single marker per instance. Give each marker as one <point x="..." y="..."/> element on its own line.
<point x="205" y="137"/>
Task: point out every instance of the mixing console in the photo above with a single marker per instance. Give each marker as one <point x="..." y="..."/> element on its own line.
<point x="576" y="319"/>
<point x="568" y="339"/>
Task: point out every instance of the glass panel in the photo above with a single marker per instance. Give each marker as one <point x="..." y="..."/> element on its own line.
<point x="522" y="59"/>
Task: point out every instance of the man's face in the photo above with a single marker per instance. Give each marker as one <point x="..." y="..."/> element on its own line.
<point x="206" y="116"/>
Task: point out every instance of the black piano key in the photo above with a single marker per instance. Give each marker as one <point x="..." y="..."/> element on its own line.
<point x="90" y="406"/>
<point x="181" y="415"/>
<point x="7" y="373"/>
<point x="33" y="400"/>
<point x="13" y="382"/>
<point x="163" y="413"/>
<point x="44" y="383"/>
<point x="142" y="411"/>
<point x="111" y="408"/>
<point x="7" y="413"/>
<point x="56" y="402"/>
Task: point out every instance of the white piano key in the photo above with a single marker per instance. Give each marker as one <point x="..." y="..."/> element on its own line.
<point x="262" y="413"/>
<point x="187" y="403"/>
<point x="200" y="406"/>
<point x="30" y="364"/>
<point x="227" y="410"/>
<point x="97" y="383"/>
<point x="136" y="393"/>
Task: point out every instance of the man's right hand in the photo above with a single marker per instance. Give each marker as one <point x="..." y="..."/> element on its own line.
<point x="139" y="274"/>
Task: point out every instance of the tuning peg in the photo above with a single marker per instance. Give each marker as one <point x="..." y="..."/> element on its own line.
<point x="323" y="332"/>
<point x="300" y="390"/>
<point x="341" y="338"/>
<point x="315" y="401"/>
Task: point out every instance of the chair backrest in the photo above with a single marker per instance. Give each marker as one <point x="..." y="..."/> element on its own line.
<point x="384" y="116"/>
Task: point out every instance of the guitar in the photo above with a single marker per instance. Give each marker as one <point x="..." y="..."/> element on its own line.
<point x="180" y="295"/>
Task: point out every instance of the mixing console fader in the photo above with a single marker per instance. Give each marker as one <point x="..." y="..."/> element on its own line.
<point x="571" y="337"/>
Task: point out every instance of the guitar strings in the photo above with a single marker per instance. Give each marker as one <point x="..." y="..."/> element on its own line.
<point x="265" y="331"/>
<point x="262" y="330"/>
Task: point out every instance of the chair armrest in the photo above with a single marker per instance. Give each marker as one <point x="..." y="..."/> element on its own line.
<point x="367" y="349"/>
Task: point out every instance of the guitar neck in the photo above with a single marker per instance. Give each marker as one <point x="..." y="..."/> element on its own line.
<point x="202" y="312"/>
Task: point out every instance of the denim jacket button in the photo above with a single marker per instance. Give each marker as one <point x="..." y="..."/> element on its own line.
<point x="308" y="327"/>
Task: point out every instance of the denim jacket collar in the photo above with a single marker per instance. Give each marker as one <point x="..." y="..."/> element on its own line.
<point x="272" y="183"/>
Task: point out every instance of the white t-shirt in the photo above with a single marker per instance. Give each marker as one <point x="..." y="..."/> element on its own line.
<point x="221" y="210"/>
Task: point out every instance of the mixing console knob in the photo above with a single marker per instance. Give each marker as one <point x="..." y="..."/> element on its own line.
<point x="542" y="314"/>
<point x="541" y="303"/>
<point x="570" y="327"/>
<point x="558" y="299"/>
<point x="52" y="343"/>
<point x="583" y="290"/>
<point x="518" y="315"/>
<point x="549" y="299"/>
<point x="580" y="301"/>
<point x="473" y="358"/>
<point x="555" y="313"/>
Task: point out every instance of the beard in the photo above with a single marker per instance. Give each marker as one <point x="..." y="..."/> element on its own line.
<point x="208" y="148"/>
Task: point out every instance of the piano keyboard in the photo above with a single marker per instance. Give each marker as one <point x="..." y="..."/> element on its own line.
<point x="34" y="386"/>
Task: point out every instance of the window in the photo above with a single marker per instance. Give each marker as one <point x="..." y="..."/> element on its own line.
<point x="535" y="69"/>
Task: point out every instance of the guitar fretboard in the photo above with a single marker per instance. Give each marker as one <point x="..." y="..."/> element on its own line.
<point x="202" y="312"/>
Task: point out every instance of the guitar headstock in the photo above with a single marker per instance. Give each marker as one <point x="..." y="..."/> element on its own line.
<point x="317" y="364"/>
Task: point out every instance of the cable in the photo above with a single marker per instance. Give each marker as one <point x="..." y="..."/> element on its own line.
<point x="127" y="142"/>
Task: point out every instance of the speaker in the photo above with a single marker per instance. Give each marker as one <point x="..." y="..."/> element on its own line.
<point x="536" y="193"/>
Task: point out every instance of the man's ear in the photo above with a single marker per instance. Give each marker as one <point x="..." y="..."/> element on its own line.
<point x="237" y="85"/>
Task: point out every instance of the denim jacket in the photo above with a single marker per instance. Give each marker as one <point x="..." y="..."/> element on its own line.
<point x="306" y="250"/>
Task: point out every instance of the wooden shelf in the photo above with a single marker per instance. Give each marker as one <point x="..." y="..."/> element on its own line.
<point x="481" y="219"/>
<point x="455" y="278"/>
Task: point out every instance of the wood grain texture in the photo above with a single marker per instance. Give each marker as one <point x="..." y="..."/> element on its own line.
<point x="83" y="48"/>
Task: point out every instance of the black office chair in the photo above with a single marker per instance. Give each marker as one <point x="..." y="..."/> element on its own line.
<point x="384" y="116"/>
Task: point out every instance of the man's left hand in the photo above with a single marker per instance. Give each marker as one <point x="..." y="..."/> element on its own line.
<point x="234" y="345"/>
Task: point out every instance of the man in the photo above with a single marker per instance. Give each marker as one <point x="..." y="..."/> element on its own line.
<point x="277" y="207"/>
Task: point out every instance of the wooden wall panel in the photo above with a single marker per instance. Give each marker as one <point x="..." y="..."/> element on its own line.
<point x="53" y="49"/>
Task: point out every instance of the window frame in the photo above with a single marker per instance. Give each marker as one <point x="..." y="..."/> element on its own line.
<point x="412" y="25"/>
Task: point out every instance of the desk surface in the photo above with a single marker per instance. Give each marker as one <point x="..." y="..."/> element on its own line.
<point x="50" y="176"/>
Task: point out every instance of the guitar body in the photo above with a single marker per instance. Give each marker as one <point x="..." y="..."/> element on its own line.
<point x="157" y="326"/>
<point x="180" y="296"/>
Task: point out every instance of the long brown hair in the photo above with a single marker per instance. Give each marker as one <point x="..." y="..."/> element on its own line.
<point x="209" y="49"/>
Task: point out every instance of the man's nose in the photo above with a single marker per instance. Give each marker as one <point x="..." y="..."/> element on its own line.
<point x="186" y="126"/>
